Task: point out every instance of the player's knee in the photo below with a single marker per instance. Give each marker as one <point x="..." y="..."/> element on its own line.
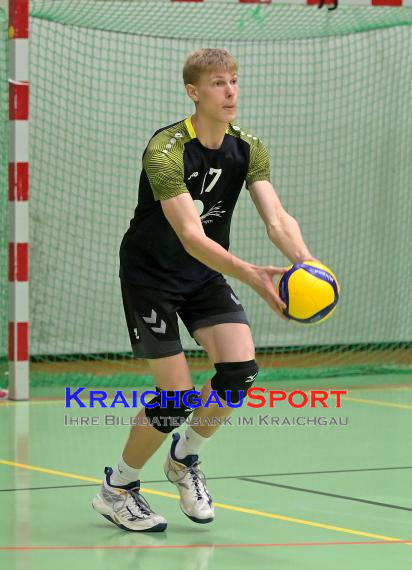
<point x="234" y="377"/>
<point x="169" y="409"/>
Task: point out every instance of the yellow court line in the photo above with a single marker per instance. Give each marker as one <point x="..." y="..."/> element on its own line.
<point x="49" y="471"/>
<point x="219" y="505"/>
<point x="378" y="403"/>
<point x="8" y="404"/>
<point x="387" y="389"/>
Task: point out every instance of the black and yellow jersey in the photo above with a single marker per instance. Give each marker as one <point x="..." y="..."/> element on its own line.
<point x="151" y="254"/>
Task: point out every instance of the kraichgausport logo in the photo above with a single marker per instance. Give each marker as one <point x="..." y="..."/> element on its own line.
<point x="258" y="398"/>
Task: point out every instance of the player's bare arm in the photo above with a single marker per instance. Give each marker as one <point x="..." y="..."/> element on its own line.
<point x="182" y="215"/>
<point x="282" y="229"/>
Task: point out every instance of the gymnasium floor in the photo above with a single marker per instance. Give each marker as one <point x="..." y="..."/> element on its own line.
<point x="287" y="497"/>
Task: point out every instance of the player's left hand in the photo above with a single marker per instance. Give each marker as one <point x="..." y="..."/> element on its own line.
<point x="262" y="281"/>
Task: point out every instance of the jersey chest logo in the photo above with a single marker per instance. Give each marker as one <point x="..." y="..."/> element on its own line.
<point x="215" y="211"/>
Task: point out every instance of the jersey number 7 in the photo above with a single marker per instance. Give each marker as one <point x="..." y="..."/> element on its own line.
<point x="215" y="172"/>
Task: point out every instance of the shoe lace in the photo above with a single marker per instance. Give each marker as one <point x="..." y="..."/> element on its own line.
<point x="129" y="503"/>
<point x="196" y="476"/>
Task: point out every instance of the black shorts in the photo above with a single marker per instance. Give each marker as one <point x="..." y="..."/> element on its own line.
<point x="151" y="315"/>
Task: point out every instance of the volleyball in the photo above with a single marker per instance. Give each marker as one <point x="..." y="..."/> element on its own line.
<point x="310" y="291"/>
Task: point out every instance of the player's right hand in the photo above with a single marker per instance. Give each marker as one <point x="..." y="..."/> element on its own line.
<point x="261" y="280"/>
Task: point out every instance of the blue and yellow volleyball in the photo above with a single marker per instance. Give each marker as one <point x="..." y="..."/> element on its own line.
<point x="310" y="291"/>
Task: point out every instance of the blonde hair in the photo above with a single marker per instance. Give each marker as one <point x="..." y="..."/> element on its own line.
<point x="207" y="60"/>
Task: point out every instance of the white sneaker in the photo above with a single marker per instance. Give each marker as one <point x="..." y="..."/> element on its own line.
<point x="125" y="507"/>
<point x="195" y="501"/>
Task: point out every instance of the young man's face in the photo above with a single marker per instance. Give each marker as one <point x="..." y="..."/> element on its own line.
<point x="216" y="95"/>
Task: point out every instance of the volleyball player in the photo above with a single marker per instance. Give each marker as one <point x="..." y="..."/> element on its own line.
<point x="172" y="261"/>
